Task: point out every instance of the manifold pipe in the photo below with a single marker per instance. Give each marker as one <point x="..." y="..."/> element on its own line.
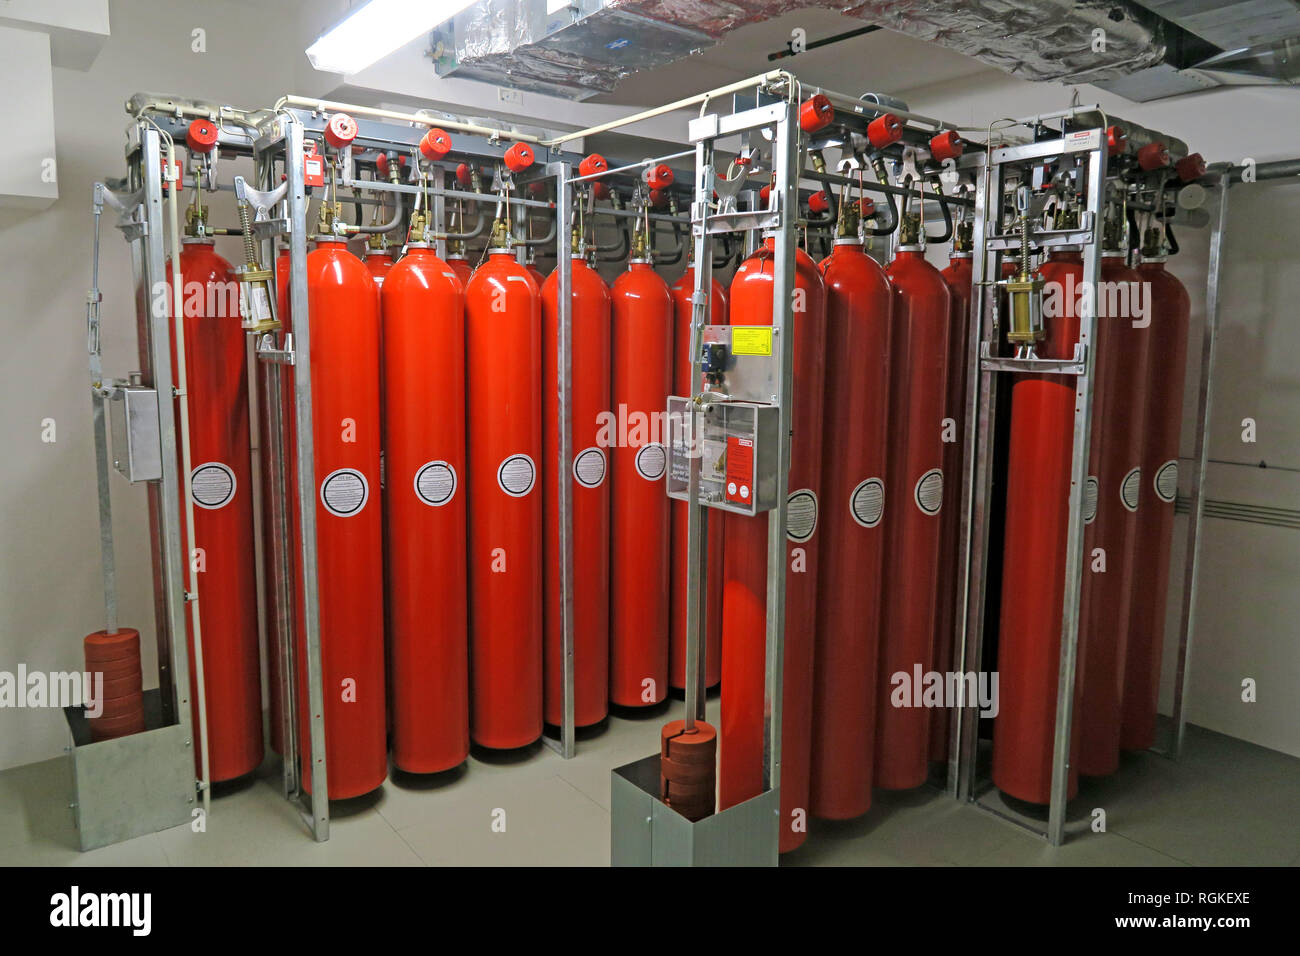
<point x="391" y="226"/>
<point x="1281" y="169"/>
<point x="758" y="80"/>
<point x="544" y="240"/>
<point x="852" y="102"/>
<point x="473" y="233"/>
<point x="187" y="484"/>
<point x="670" y="257"/>
<point x="322" y="106"/>
<point x="631" y="166"/>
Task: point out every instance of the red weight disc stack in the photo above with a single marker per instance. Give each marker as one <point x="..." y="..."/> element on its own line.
<point x="114" y="659"/>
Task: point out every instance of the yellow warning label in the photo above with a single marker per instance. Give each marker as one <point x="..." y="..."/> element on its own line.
<point x="751" y="340"/>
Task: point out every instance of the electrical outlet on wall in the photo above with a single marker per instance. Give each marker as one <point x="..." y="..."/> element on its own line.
<point x="509" y="97"/>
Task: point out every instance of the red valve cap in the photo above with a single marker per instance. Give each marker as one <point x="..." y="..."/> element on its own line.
<point x="435" y="145"/>
<point x="1153" y="156"/>
<point x="384" y="164"/>
<point x="658" y="176"/>
<point x="816" y="114"/>
<point x="884" y="130"/>
<point x="595" y="163"/>
<point x="519" y="157"/>
<point x="819" y="202"/>
<point x="1116" y="141"/>
<point x="600" y="190"/>
<point x="201" y="137"/>
<point x="464" y="175"/>
<point x="658" y="197"/>
<point x="1190" y="167"/>
<point x="947" y="145"/>
<point x="341" y="130"/>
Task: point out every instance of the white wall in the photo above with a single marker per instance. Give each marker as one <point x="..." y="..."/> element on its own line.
<point x="1249" y="605"/>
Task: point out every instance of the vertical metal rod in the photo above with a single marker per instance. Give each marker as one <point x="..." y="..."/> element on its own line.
<point x="564" y="417"/>
<point x="785" y="160"/>
<point x="306" y="472"/>
<point x="108" y="565"/>
<point x="173" y="648"/>
<point x="1074" y="539"/>
<point x="1201" y="452"/>
<point x="697" y="518"/>
<point x="976" y="491"/>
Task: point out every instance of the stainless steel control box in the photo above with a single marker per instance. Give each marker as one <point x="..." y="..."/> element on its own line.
<point x="137" y="445"/>
<point x="737" y="446"/>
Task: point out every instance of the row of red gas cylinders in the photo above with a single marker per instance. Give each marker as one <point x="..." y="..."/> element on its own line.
<point x="1129" y="498"/>
<point x="478" y="558"/>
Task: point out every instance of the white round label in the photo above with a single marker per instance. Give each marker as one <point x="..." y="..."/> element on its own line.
<point x="1166" y="481"/>
<point x="650" y="461"/>
<point x="516" y="474"/>
<point x="928" y="492"/>
<point x="344" y="492"/>
<point x="435" y="483"/>
<point x="1129" y="488"/>
<point x="589" y="467"/>
<point x="801" y="515"/>
<point x="212" y="485"/>
<point x="1090" y="494"/>
<point x="867" y="503"/>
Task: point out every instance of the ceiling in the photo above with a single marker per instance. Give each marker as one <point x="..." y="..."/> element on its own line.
<point x="883" y="61"/>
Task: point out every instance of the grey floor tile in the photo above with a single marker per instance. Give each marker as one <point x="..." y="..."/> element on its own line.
<point x="547" y="823"/>
<point x="141" y="851"/>
<point x="1086" y="849"/>
<point x="34" y="804"/>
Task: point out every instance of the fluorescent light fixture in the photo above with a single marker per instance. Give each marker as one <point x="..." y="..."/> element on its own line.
<point x="377" y="29"/>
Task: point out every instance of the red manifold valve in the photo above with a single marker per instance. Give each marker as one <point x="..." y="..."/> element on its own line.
<point x="464" y="175"/>
<point x="658" y="197"/>
<point x="816" y="114"/>
<point x="765" y="194"/>
<point x="1190" y="167"/>
<point x="1153" y="156"/>
<point x="340" y="131"/>
<point x="384" y="165"/>
<point x="537" y="188"/>
<point x="1116" y="141"/>
<point x="201" y="137"/>
<point x="600" y="190"/>
<point x="884" y="130"/>
<point x="590" y="165"/>
<point x="519" y="157"/>
<point x="947" y="145"/>
<point x="819" y="202"/>
<point x="866" y="208"/>
<point x="658" y="176"/>
<point x="435" y="145"/>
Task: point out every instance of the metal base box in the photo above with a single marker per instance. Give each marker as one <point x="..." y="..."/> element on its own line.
<point x="644" y="831"/>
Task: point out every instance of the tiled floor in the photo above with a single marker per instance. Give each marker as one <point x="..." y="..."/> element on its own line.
<point x="1227" y="802"/>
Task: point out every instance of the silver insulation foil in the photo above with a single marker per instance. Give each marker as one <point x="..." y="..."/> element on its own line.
<point x="516" y="42"/>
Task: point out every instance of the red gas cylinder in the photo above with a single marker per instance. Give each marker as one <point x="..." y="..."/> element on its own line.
<point x="958" y="276"/>
<point x="922" y="313"/>
<point x="589" y="472"/>
<point x="1115" y="470"/>
<point x="855" y="420"/>
<point x="344" y="310"/>
<point x="535" y="272"/>
<point x="379" y="262"/>
<point x="503" y="319"/>
<point x="682" y="290"/>
<point x="222" y="491"/>
<point x="424" y="462"/>
<point x="460" y="265"/>
<point x="639" y="528"/>
<point x="744" y="596"/>
<point x="1034" y="550"/>
<point x="1165" y="371"/>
